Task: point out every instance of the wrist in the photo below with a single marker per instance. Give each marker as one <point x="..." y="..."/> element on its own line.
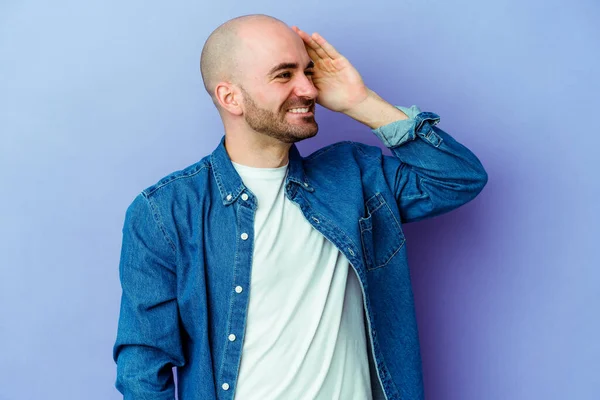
<point x="375" y="112"/>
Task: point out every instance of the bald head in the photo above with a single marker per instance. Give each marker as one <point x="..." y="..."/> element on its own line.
<point x="223" y="52"/>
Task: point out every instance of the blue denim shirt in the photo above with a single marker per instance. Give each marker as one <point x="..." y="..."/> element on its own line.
<point x="187" y="253"/>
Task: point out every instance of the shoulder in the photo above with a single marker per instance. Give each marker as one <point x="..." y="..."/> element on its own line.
<point x="171" y="199"/>
<point x="191" y="176"/>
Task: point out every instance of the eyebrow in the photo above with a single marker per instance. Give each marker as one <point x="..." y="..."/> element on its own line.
<point x="287" y="65"/>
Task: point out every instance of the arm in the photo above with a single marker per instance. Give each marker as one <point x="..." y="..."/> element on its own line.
<point x="430" y="173"/>
<point x="148" y="341"/>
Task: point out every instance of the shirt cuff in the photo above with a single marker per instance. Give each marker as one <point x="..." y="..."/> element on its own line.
<point x="399" y="132"/>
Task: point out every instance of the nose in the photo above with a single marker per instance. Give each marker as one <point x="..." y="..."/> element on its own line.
<point x="305" y="87"/>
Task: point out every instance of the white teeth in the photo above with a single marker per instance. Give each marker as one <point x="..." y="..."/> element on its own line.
<point x="299" y="110"/>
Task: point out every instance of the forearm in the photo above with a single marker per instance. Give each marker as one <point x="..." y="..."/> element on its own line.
<point x="375" y="111"/>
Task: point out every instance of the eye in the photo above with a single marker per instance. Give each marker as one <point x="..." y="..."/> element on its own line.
<point x="286" y="75"/>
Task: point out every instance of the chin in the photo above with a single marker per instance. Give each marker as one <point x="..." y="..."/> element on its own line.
<point x="309" y="134"/>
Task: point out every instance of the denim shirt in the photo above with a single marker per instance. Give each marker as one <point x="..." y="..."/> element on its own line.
<point x="187" y="250"/>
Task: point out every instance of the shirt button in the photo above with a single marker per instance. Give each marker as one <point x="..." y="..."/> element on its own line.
<point x="228" y="197"/>
<point x="244" y="236"/>
<point x="231" y="337"/>
<point x="351" y="251"/>
<point x="244" y="197"/>
<point x="225" y="386"/>
<point x="305" y="184"/>
<point x="238" y="289"/>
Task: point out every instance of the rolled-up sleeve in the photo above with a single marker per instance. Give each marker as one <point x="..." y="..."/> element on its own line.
<point x="430" y="172"/>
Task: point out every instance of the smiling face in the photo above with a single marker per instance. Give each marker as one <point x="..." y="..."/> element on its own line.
<point x="278" y="93"/>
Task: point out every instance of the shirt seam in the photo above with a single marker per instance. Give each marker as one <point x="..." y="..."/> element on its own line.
<point x="158" y="221"/>
<point x="171" y="178"/>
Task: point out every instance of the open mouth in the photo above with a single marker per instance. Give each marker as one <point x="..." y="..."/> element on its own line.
<point x="301" y="111"/>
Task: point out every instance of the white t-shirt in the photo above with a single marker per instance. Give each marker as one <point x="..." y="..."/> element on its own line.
<point x="305" y="336"/>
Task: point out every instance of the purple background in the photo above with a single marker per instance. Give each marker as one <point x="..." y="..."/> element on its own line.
<point x="100" y="99"/>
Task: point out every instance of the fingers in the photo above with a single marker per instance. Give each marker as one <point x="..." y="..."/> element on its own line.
<point x="312" y="54"/>
<point x="317" y="44"/>
<point x="311" y="45"/>
<point x="326" y="46"/>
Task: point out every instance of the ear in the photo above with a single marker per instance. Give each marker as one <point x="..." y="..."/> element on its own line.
<point x="229" y="97"/>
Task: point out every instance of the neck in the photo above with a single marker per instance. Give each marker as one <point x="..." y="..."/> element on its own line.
<point x="255" y="150"/>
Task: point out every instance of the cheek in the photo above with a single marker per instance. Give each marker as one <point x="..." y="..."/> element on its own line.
<point x="278" y="102"/>
<point x="272" y="97"/>
<point x="269" y="100"/>
<point x="274" y="94"/>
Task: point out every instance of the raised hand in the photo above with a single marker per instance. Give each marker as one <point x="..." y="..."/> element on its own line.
<point x="340" y="86"/>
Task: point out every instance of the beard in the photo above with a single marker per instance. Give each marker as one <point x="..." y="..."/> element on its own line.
<point x="275" y="125"/>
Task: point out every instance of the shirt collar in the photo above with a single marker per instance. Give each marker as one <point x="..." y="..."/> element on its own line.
<point x="230" y="183"/>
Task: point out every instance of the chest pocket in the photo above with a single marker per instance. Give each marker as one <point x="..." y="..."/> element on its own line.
<point x="380" y="233"/>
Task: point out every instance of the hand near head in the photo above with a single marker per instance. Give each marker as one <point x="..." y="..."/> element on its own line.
<point x="340" y="86"/>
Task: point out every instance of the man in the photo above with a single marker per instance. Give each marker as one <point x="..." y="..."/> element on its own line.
<point x="262" y="274"/>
